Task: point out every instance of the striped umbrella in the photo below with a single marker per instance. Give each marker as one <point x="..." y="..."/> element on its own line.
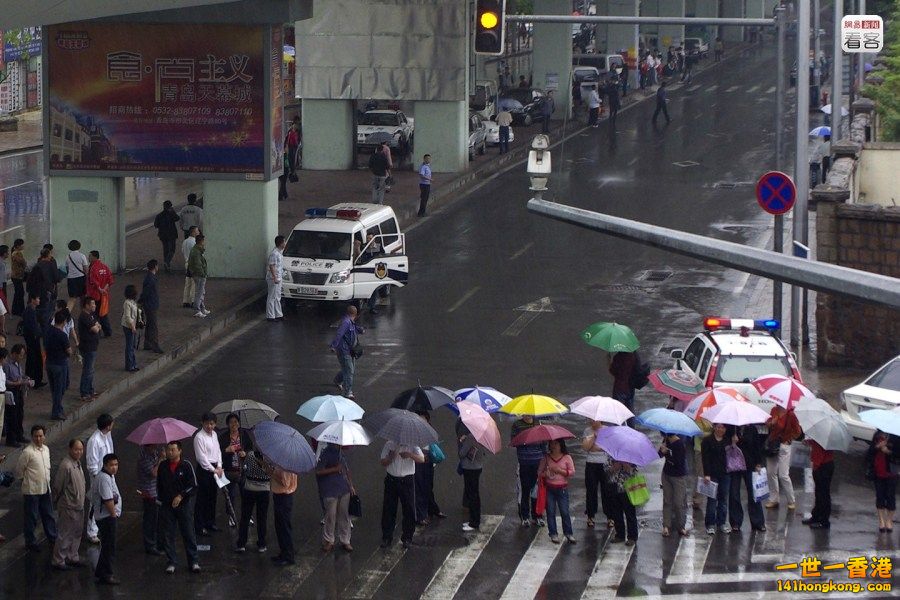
<point x="786" y="392"/>
<point x="703" y="402"/>
<point x="678" y="383"/>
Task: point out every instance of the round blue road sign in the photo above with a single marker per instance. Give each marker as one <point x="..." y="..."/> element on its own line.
<point x="776" y="193"/>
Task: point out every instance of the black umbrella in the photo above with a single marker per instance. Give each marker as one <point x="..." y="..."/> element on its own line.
<point x="424" y="398"/>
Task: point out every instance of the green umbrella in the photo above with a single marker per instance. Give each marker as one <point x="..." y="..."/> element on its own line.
<point x="611" y="337"/>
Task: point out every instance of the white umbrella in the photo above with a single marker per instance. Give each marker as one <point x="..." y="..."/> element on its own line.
<point x="823" y="424"/>
<point x="342" y="433"/>
<point x="827" y="110"/>
<point x="736" y="413"/>
<point x="601" y="408"/>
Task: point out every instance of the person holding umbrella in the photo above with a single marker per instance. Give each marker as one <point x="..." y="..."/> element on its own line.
<point x="595" y="475"/>
<point x="254" y="493"/>
<point x="674" y="484"/>
<point x="399" y="460"/>
<point x="426" y="504"/>
<point x="712" y="452"/>
<point x="471" y="461"/>
<point x="748" y="441"/>
<point x="879" y="458"/>
<point x="333" y="478"/>
<point x="529" y="457"/>
<point x="822" y="471"/>
<point x="555" y="469"/>
<point x="624" y="514"/>
<point x="235" y="443"/>
<point x="783" y="429"/>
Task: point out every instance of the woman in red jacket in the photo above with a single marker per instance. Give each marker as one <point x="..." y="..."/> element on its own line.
<point x="885" y="482"/>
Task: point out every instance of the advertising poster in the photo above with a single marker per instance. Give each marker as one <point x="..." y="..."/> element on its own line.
<point x="161" y="98"/>
<point x="277" y="101"/>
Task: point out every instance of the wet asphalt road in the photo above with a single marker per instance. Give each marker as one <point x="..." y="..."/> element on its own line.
<point x="456" y="324"/>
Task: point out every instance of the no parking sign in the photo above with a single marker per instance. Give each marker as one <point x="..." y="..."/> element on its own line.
<point x="776" y="193"/>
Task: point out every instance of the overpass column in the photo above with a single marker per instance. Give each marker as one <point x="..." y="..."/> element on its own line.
<point x="733" y="9"/>
<point x="552" y="54"/>
<point x="327" y="127"/>
<point x="649" y="33"/>
<point x="90" y="210"/>
<point x="622" y="38"/>
<point x="240" y="221"/>
<point x="705" y="8"/>
<point x="442" y="130"/>
<point x="756" y="9"/>
<point x="670" y="35"/>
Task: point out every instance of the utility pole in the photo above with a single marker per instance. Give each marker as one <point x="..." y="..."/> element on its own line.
<point x="801" y="162"/>
<point x="837" y="76"/>
<point x="861" y="57"/>
<point x="817" y="47"/>
<point x="778" y="242"/>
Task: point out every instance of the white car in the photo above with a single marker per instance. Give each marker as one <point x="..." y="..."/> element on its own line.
<point x="880" y="390"/>
<point x="391" y="126"/>
<point x="734" y="352"/>
<point x="493" y="133"/>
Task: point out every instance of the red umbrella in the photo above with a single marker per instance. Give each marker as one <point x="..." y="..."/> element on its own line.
<point x="541" y="433"/>
<point x="786" y="392"/>
<point x="678" y="383"/>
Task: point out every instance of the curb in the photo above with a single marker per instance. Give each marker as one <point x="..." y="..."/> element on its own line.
<point x="22" y="150"/>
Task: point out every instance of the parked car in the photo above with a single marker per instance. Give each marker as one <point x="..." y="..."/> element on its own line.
<point x="392" y="126"/>
<point x="524" y="104"/>
<point x="484" y="100"/>
<point x="696" y="46"/>
<point x="493" y="133"/>
<point x="583" y="74"/>
<point x="604" y="63"/>
<point x="880" y="390"/>
<point x="477" y="135"/>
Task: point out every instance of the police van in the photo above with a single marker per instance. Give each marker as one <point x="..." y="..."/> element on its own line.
<point x="348" y="252"/>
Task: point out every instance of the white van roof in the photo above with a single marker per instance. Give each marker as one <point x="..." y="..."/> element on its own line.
<point x="369" y="214"/>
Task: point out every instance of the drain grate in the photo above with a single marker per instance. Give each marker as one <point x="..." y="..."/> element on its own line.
<point x="618" y="287"/>
<point x="686" y="163"/>
<point x="655" y="276"/>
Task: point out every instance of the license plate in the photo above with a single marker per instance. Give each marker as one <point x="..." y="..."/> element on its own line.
<point x="308" y="291"/>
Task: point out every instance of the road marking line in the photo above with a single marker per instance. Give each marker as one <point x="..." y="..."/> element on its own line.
<point x="771" y="90"/>
<point x="694" y="88"/>
<point x="447" y="581"/>
<point x="689" y="558"/>
<point x="632" y="161"/>
<point x="531" y="570"/>
<point x="368" y="580"/>
<point x="608" y="572"/>
<point x="522" y="251"/>
<point x="17" y="185"/>
<point x="773" y="543"/>
<point x="732" y="89"/>
<point x="712" y="88"/>
<point x="753" y="89"/>
<point x="385" y="369"/>
<point x="529" y="314"/>
<point x="292" y="578"/>
<point x="465" y="297"/>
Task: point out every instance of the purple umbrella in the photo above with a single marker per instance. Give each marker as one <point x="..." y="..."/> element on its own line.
<point x="625" y="444"/>
<point x="161" y="431"/>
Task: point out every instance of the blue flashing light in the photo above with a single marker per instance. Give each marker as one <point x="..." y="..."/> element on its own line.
<point x="770" y="324"/>
<point x="316" y="212"/>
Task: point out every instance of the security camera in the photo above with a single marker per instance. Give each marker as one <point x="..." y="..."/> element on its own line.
<point x="539" y="164"/>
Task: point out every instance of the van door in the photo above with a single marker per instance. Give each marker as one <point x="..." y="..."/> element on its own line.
<point x="375" y="267"/>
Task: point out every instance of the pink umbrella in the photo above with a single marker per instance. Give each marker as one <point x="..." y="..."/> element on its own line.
<point x="736" y="413"/>
<point x="703" y="402"/>
<point x="161" y="431"/>
<point x="480" y="424"/>
<point x="786" y="392"/>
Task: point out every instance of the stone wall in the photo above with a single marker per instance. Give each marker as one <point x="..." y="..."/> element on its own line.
<point x="867" y="238"/>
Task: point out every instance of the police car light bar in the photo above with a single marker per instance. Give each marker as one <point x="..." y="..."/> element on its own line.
<point x="717" y="323"/>
<point x="331" y="213"/>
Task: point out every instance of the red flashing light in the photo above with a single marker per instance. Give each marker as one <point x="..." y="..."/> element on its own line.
<point x="348" y="214"/>
<point x="711" y="324"/>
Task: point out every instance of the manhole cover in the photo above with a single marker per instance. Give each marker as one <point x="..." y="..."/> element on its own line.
<point x="655" y="276"/>
<point x="686" y="163"/>
<point x="618" y="287"/>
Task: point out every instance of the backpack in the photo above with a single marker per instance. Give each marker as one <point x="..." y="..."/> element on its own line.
<point x="640" y="373"/>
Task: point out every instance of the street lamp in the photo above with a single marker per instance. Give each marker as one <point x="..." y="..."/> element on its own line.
<point x="539" y="164"/>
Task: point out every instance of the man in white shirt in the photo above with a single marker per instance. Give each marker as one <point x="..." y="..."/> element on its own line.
<point x="76" y="273"/>
<point x="106" y="502"/>
<point x="399" y="486"/>
<point x="191" y="215"/>
<point x="209" y="460"/>
<point x="98" y="445"/>
<point x="187" y="297"/>
<point x="274" y="269"/>
<point x="33" y="469"/>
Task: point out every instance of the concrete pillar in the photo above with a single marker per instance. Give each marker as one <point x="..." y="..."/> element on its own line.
<point x="553" y="54"/>
<point x="240" y="221"/>
<point x="442" y="130"/>
<point x="705" y="8"/>
<point x="649" y="33"/>
<point x="328" y="132"/>
<point x="671" y="35"/>
<point x="90" y="210"/>
<point x="732" y="8"/>
<point x="622" y="37"/>
<point x="756" y="9"/>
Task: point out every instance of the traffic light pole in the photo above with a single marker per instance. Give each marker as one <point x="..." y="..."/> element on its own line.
<point x="801" y="165"/>
<point x="778" y="240"/>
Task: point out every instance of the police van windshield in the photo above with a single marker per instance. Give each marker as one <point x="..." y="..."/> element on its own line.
<point x="744" y="369"/>
<point x="329" y="245"/>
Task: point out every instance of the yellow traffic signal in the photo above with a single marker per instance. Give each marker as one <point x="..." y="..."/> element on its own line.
<point x="489" y="26"/>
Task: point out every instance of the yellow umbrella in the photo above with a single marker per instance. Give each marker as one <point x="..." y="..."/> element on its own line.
<point x="535" y="405"/>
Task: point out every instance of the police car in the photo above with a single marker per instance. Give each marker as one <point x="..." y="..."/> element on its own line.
<point x="734" y="352"/>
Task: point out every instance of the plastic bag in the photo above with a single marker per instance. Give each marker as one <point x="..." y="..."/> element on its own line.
<point x="760" y="481"/>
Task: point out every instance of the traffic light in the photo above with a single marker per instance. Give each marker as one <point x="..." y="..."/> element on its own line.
<point x="490" y="26"/>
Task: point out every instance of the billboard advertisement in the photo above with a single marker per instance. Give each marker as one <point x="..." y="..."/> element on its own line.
<point x="174" y="99"/>
<point x="277" y="98"/>
<point x="19" y="44"/>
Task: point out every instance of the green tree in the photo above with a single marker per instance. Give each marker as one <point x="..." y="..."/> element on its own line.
<point x="887" y="95"/>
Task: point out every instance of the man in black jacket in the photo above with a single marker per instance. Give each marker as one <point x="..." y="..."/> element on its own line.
<point x="378" y="164"/>
<point x="150" y="302"/>
<point x="167" y="232"/>
<point x="33" y="332"/>
<point x="176" y="487"/>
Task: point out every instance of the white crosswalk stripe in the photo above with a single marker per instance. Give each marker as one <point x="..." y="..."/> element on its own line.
<point x="446" y="581"/>
<point x="733" y="88"/>
<point x="528" y="576"/>
<point x="608" y="572"/>
<point x="689" y="559"/>
<point x="376" y="570"/>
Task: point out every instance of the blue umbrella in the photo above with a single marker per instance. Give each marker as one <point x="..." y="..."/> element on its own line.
<point x="284" y="446"/>
<point x="487" y="398"/>
<point x="820" y="131"/>
<point x="330" y="408"/>
<point x="887" y="421"/>
<point x="669" y="421"/>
